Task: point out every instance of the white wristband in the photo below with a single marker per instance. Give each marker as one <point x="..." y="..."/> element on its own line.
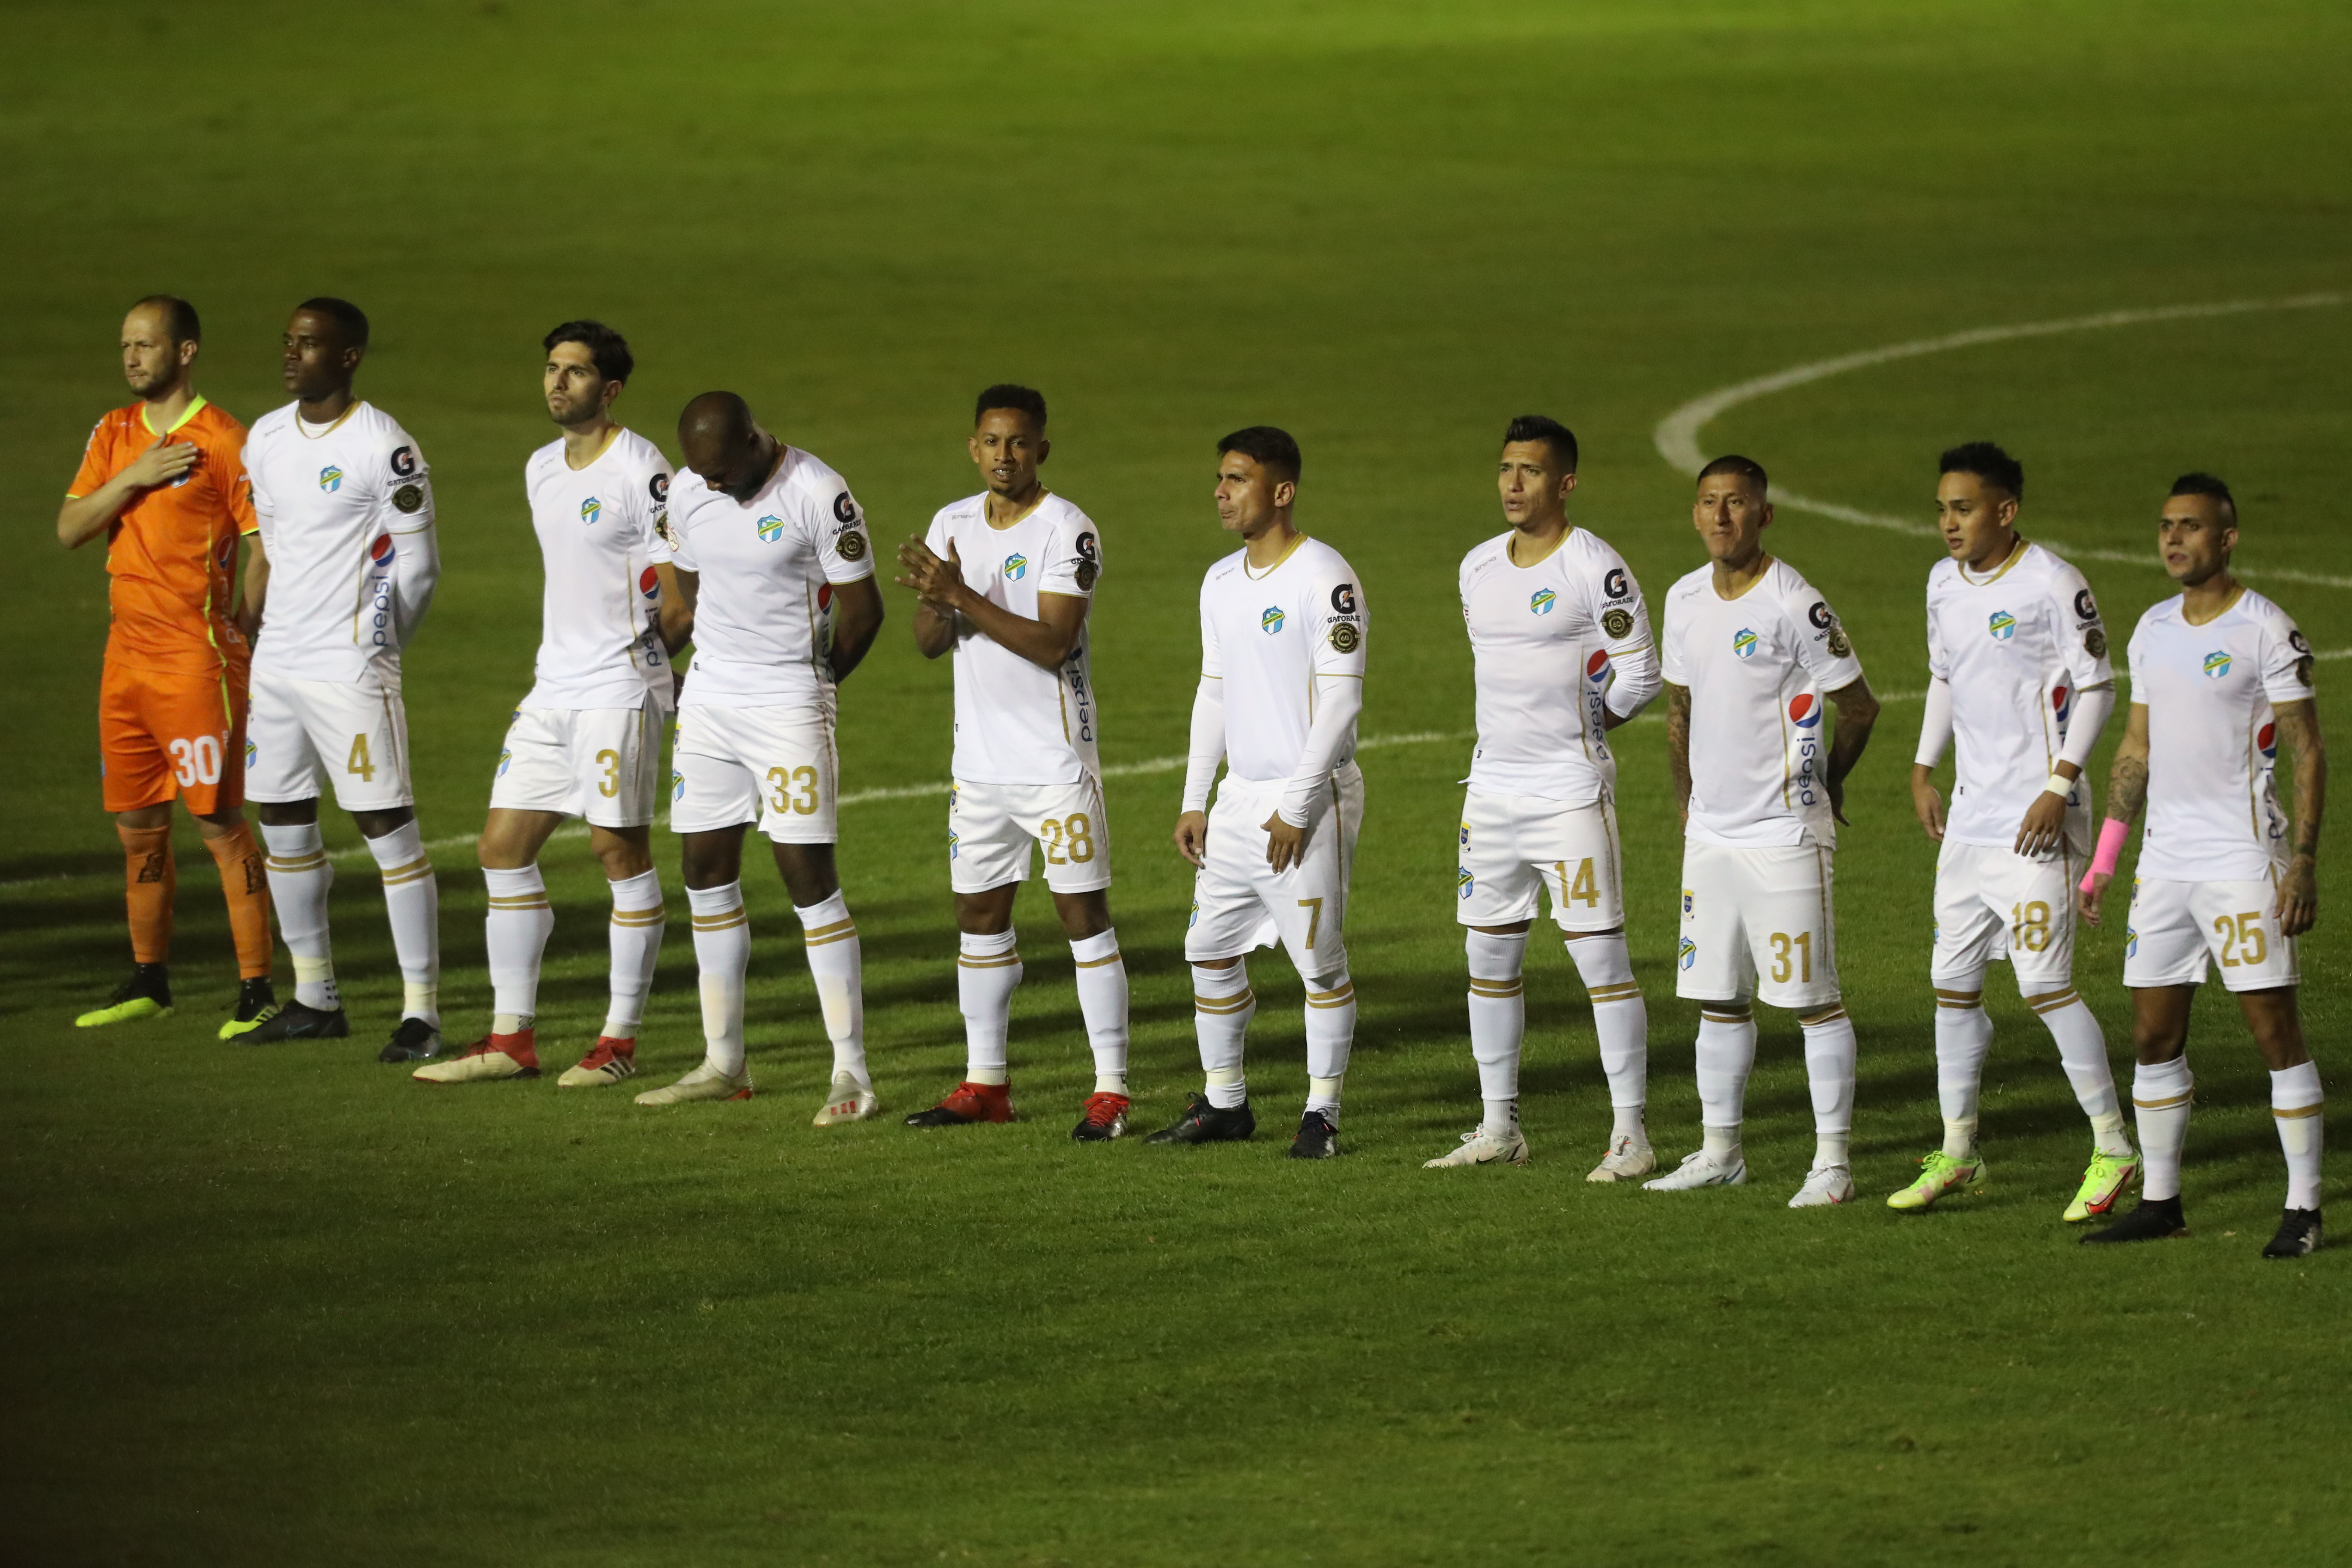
<point x="2060" y="785"/>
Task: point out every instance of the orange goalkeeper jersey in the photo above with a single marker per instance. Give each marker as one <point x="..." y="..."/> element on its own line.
<point x="172" y="550"/>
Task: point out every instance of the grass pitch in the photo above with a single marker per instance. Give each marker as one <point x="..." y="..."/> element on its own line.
<point x="285" y="1306"/>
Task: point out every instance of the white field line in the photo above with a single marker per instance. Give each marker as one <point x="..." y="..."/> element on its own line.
<point x="1677" y="436"/>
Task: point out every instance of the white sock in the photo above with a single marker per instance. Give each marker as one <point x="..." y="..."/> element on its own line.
<point x="2161" y="1095"/>
<point x="837" y="963"/>
<point x="1330" y="1031"/>
<point x="1963" y="1038"/>
<point x="299" y="876"/>
<point x="1829" y="1073"/>
<point x="2296" y="1103"/>
<point x="1622" y="1020"/>
<point x="1725" y="1054"/>
<point x="1102" y="1002"/>
<point x="1222" y="1005"/>
<point x="1498" y="1022"/>
<point x="722" y="953"/>
<point x="988" y="968"/>
<point x="2082" y="1052"/>
<point x="412" y="902"/>
<point x="639" y="917"/>
<point x="515" y="934"/>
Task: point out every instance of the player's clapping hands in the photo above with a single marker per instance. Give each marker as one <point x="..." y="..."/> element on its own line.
<point x="936" y="583"/>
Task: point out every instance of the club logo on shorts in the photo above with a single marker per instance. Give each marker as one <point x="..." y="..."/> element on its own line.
<point x="1270" y="622"/>
<point x="2267" y="742"/>
<point x="2003" y="624"/>
<point x="1016" y="567"/>
<point x="1464" y="883"/>
<point x="505" y="758"/>
<point x="330" y="478"/>
<point x="1615" y="622"/>
<point x="1596" y="669"/>
<point x="1743" y="643"/>
<point x="381" y="552"/>
<point x="1465" y="836"/>
<point x="1686" y="953"/>
<point x="2131" y="941"/>
<point x="1194" y="917"/>
<point x="954" y="840"/>
<point x="589" y="509"/>
<point x="677" y="787"/>
<point x="772" y="529"/>
<point x="1804" y="710"/>
<point x="1688" y="900"/>
<point x="251" y="751"/>
<point x="649" y="583"/>
<point x="2217" y="665"/>
<point x="1542" y="601"/>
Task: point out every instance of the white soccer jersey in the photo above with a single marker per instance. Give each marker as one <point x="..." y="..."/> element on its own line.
<point x="1758" y="668"/>
<point x="1014" y="722"/>
<point x="2212" y="810"/>
<point x="766" y="566"/>
<point x="1267" y="636"/>
<point x="598" y="528"/>
<point x="1547" y="641"/>
<point x="2015" y="645"/>
<point x="333" y="503"/>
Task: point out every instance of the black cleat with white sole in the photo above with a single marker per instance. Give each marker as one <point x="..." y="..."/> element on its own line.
<point x="1206" y="1123"/>
<point x="2153" y="1219"/>
<point x="414" y="1041"/>
<point x="2298" y="1234"/>
<point x="298" y="1021"/>
<point x="1318" y="1139"/>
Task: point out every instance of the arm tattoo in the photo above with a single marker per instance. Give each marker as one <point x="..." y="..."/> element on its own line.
<point x="1678" y="711"/>
<point x="2126" y="786"/>
<point x="2300" y="723"/>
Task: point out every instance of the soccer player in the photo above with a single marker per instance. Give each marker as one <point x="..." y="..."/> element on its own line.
<point x="1004" y="580"/>
<point x="1752" y="652"/>
<point x="2219" y="676"/>
<point x="586" y="739"/>
<point x="1561" y="641"/>
<point x="1283" y="628"/>
<point x="775" y="575"/>
<point x="163" y="479"/>
<point x="345" y="503"/>
<point x="2017" y="661"/>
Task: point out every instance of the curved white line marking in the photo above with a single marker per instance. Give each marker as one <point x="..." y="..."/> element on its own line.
<point x="1677" y="436"/>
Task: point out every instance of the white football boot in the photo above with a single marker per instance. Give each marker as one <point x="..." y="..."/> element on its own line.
<point x="1626" y="1160"/>
<point x="1700" y="1170"/>
<point x="1825" y="1185"/>
<point x="705" y="1082"/>
<point x="1480" y="1147"/>
<point x="847" y="1101"/>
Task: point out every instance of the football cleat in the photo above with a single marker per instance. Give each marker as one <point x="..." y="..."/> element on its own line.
<point x="146" y="994"/>
<point x="491" y="1058"/>
<point x="1700" y="1170"/>
<point x="1105" y="1117"/>
<point x="971" y="1103"/>
<point x="1940" y="1175"/>
<point x="1206" y="1123"/>
<point x="1825" y="1185"/>
<point x="2103" y="1183"/>
<point x="298" y="1021"/>
<point x="847" y="1100"/>
<point x="2298" y="1234"/>
<point x="257" y="1003"/>
<point x="1318" y="1137"/>
<point x="2152" y="1219"/>
<point x="611" y="1061"/>
<point x="1624" y="1161"/>
<point x="414" y="1040"/>
<point x="1478" y="1147"/>
<point x="705" y="1082"/>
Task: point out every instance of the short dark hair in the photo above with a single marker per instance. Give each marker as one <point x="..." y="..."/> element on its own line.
<point x="608" y="349"/>
<point x="344" y="314"/>
<point x="1987" y="463"/>
<point x="1005" y="395"/>
<point x="2204" y="484"/>
<point x="179" y="317"/>
<point x="1733" y="463"/>
<point x="1272" y="448"/>
<point x="1551" y="432"/>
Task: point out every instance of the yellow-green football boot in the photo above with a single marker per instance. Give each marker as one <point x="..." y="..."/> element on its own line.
<point x="257" y="1003"/>
<point x="1940" y="1175"/>
<point x="2109" y="1176"/>
<point x="146" y="994"/>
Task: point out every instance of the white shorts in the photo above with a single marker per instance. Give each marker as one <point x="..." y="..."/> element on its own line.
<point x="773" y="765"/>
<point x="1512" y="845"/>
<point x="1238" y="903"/>
<point x="1757" y="912"/>
<point x="992" y="826"/>
<point x="1989" y="899"/>
<point x="600" y="763"/>
<point x="300" y="733"/>
<point x="2174" y="927"/>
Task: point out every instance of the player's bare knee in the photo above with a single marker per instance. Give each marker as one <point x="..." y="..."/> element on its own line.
<point x="808" y="872"/>
<point x="288" y="812"/>
<point x="1216" y="963"/>
<point x="1521" y="929"/>
<point x="622" y="854"/>
<point x="985" y="913"/>
<point x="145" y="818"/>
<point x="376" y="824"/>
<point x="1084" y="915"/>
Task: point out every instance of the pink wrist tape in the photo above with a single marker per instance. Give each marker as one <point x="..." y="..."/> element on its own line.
<point x="2112" y="835"/>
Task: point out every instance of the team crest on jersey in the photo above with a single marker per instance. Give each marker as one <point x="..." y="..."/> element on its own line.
<point x="2217" y="665"/>
<point x="1686" y="953"/>
<point x="1016" y="567"/>
<point x="190" y="474"/>
<point x="771" y="528"/>
<point x="381" y="552"/>
<point x="589" y="509"/>
<point x="1743" y="643"/>
<point x="330" y="478"/>
<point x="1464" y="884"/>
<point x="1270" y="622"/>
<point x="1804" y="710"/>
<point x="1596" y="669"/>
<point x="649" y="583"/>
<point x="1542" y="601"/>
<point x="1615" y="622"/>
<point x="2002" y="624"/>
